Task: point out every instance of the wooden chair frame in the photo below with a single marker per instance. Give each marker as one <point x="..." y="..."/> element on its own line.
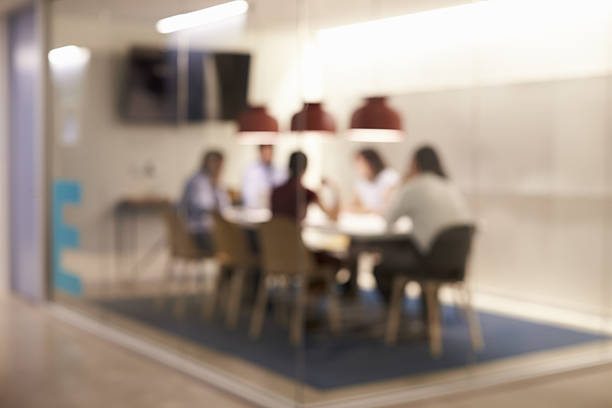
<point x="232" y="250"/>
<point x="284" y="254"/>
<point x="183" y="252"/>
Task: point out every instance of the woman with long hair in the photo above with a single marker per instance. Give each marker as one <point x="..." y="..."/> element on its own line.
<point x="375" y="182"/>
<point x="432" y="202"/>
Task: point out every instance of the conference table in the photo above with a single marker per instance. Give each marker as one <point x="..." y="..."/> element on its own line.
<point x="352" y="237"/>
<point x="319" y="232"/>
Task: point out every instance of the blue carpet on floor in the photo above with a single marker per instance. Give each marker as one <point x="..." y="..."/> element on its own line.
<point x="357" y="356"/>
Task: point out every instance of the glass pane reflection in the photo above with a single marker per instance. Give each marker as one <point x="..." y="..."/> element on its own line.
<point x="228" y="214"/>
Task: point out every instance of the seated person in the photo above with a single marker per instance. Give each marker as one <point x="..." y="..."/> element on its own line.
<point x="292" y="199"/>
<point x="375" y="183"/>
<point x="202" y="195"/>
<point x="433" y="203"/>
<point x="260" y="178"/>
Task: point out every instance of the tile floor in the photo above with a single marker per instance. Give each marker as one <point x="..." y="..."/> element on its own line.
<point x="46" y="363"/>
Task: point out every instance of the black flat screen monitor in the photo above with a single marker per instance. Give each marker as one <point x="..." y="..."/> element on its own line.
<point x="165" y="86"/>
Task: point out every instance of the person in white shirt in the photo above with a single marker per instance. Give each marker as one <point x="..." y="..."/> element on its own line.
<point x="432" y="202"/>
<point x="260" y="179"/>
<point x="373" y="188"/>
<point x="375" y="182"/>
<point x="202" y="195"/>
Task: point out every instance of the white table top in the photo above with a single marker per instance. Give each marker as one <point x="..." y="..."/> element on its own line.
<point x="357" y="225"/>
<point x="348" y="223"/>
<point x="322" y="233"/>
<point x="247" y="216"/>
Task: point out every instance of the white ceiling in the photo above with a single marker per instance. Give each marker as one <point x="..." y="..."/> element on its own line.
<point x="262" y="13"/>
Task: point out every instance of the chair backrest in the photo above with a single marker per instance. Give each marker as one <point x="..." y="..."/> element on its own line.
<point x="447" y="259"/>
<point x="180" y="241"/>
<point x="282" y="249"/>
<point x="231" y="243"/>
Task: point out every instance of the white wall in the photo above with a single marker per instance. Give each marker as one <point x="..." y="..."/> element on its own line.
<point x="4" y="264"/>
<point x="515" y="94"/>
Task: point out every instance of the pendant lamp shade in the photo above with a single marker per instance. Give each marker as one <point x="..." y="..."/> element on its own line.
<point x="312" y="118"/>
<point x="257" y="119"/>
<point x="257" y="126"/>
<point x="376" y="121"/>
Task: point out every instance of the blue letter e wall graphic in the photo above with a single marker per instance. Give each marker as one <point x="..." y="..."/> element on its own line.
<point x="64" y="236"/>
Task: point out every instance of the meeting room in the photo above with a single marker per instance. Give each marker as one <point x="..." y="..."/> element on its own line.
<point x="336" y="203"/>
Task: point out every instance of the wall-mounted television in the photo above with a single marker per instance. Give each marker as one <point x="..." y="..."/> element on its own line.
<point x="164" y="85"/>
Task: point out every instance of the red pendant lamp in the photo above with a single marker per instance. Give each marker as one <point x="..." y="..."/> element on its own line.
<point x="376" y="121"/>
<point x="257" y="126"/>
<point x="313" y="118"/>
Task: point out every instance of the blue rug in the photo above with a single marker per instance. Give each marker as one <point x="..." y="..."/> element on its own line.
<point x="357" y="356"/>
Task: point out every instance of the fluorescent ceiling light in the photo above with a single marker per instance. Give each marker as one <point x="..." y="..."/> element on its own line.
<point x="69" y="56"/>
<point x="202" y="17"/>
<point x="392" y="24"/>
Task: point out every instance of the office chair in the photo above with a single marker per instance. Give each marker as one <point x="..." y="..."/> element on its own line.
<point x="444" y="265"/>
<point x="183" y="251"/>
<point x="284" y="256"/>
<point x="233" y="253"/>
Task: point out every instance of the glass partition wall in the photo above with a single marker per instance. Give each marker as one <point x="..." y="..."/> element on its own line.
<point x="326" y="203"/>
<point x="159" y="191"/>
